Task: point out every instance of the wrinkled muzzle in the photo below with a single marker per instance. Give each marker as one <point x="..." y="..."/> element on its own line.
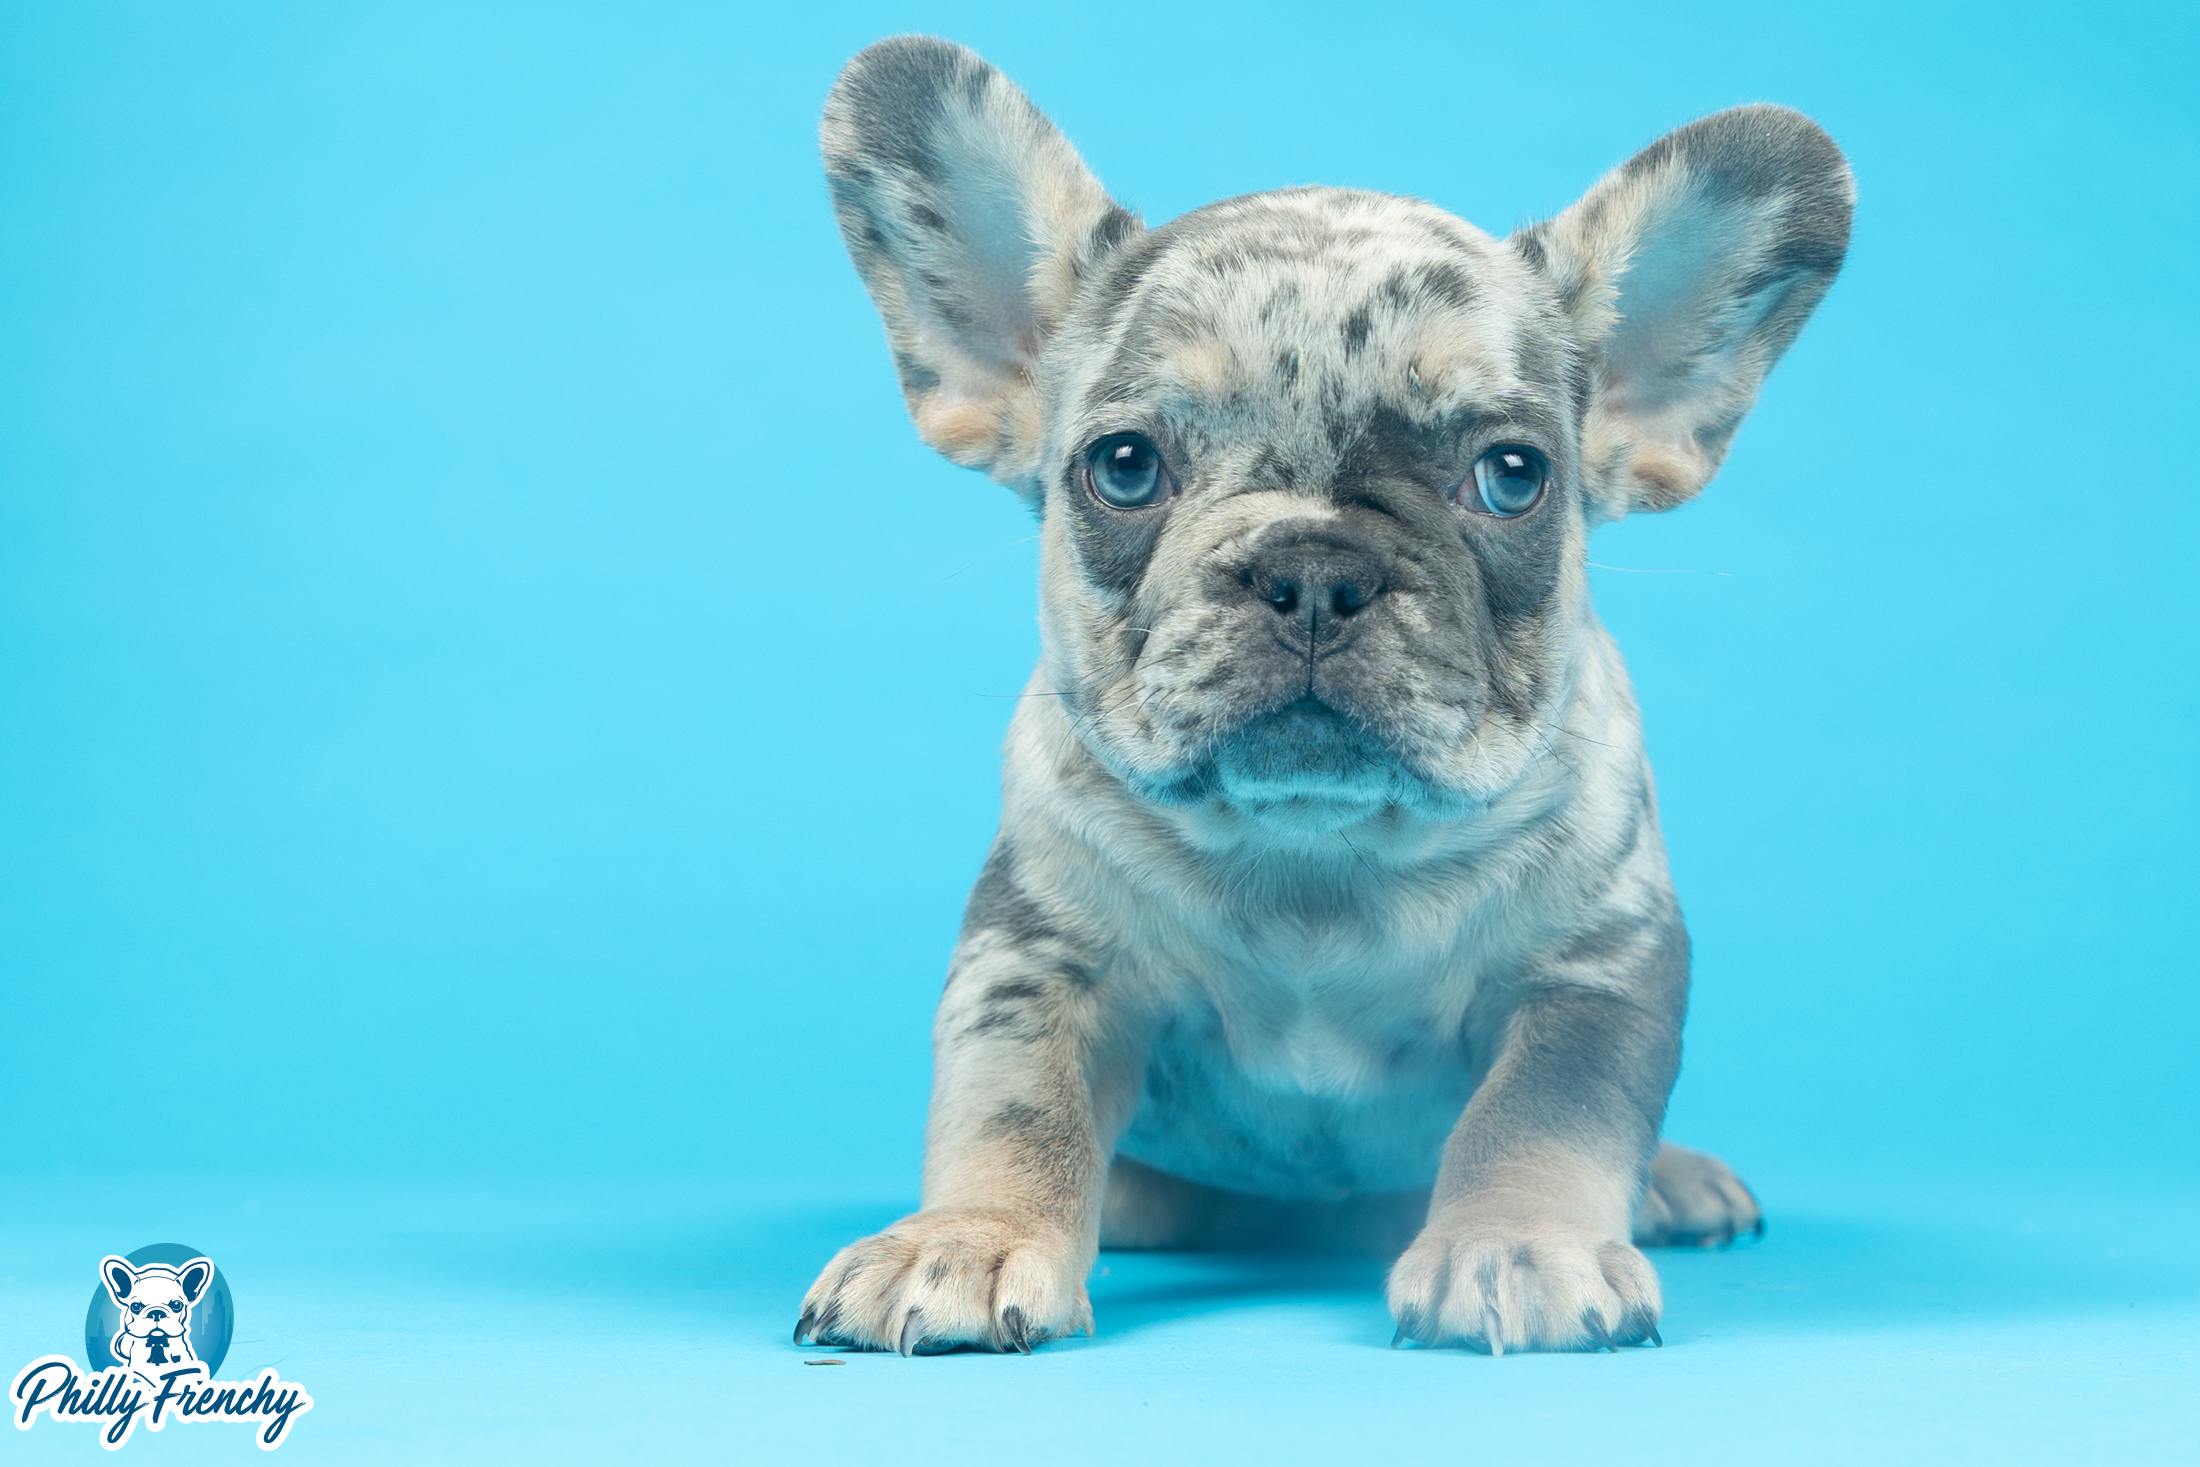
<point x="1315" y="671"/>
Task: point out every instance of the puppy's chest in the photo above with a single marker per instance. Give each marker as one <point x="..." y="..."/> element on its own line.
<point x="1338" y="1013"/>
<point x="1304" y="1083"/>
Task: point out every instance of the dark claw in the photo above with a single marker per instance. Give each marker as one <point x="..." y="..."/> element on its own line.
<point x="1399" y="1338"/>
<point x="1597" y="1332"/>
<point x="802" y="1325"/>
<point x="910" y="1338"/>
<point x="1635" y="1327"/>
<point x="1015" y="1331"/>
<point x="1759" y="1230"/>
<point x="1656" y="1338"/>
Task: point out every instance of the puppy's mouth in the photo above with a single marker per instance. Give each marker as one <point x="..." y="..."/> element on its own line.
<point x="1308" y="769"/>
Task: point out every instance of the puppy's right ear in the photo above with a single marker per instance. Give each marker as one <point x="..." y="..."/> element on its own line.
<point x="1687" y="271"/>
<point x="120" y="1276"/>
<point x="972" y="221"/>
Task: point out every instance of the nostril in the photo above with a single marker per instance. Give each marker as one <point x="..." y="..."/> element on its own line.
<point x="1282" y="595"/>
<point x="1349" y="598"/>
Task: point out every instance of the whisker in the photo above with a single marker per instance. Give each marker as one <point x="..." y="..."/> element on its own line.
<point x="1644" y="570"/>
<point x="1011" y="545"/>
<point x="1355" y="850"/>
<point x="1569" y="733"/>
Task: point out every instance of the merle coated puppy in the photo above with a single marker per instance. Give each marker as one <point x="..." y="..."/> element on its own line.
<point x="1329" y="888"/>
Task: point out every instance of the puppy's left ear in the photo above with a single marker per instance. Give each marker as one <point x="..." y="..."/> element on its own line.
<point x="972" y="221"/>
<point x="1687" y="271"/>
<point x="193" y="1277"/>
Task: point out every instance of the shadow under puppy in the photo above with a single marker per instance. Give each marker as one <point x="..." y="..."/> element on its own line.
<point x="1329" y="864"/>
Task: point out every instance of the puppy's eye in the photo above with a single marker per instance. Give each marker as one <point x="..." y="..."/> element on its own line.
<point x="1125" y="470"/>
<point x="137" y="1307"/>
<point x="1508" y="480"/>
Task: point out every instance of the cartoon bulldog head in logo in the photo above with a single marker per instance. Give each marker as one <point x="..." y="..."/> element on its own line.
<point x="155" y="1301"/>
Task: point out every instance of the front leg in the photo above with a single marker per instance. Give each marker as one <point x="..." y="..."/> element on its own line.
<point x="1527" y="1245"/>
<point x="1030" y="1073"/>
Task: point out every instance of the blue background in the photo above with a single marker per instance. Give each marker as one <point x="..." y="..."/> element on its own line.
<point x="498" y="713"/>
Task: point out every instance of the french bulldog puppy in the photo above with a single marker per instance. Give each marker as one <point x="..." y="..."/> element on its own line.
<point x="1329" y="882"/>
<point x="155" y="1301"/>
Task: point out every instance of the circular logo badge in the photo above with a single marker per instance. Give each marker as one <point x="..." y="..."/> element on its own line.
<point x="212" y="1317"/>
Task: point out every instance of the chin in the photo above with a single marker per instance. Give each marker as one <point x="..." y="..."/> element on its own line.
<point x="1308" y="814"/>
<point x="1309" y="772"/>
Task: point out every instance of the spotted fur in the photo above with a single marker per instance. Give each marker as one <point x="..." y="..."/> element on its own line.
<point x="1329" y="890"/>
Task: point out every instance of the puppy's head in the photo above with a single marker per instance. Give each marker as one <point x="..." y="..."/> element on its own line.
<point x="157" y="1296"/>
<point x="1316" y="467"/>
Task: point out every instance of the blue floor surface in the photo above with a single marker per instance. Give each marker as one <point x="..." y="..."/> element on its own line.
<point x="628" y="1320"/>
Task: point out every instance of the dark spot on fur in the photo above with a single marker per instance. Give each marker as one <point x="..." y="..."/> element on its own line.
<point x="1541" y="358"/>
<point x="1127" y="269"/>
<point x="1115" y="226"/>
<point x="1449" y="284"/>
<point x="1005" y="1023"/>
<point x="1355" y="331"/>
<point x="916" y="378"/>
<point x="1271" y="469"/>
<point x="1592" y="1066"/>
<point x="998" y="903"/>
<point x="891" y="98"/>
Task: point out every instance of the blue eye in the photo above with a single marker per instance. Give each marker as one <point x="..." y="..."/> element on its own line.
<point x="1509" y="479"/>
<point x="1125" y="470"/>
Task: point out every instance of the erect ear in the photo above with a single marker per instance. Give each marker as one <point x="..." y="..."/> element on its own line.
<point x="193" y="1277"/>
<point x="1687" y="271"/>
<point x="971" y="221"/>
<point x="120" y="1276"/>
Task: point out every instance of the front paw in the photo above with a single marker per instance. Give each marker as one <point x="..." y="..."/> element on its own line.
<point x="1495" y="1286"/>
<point x="1695" y="1201"/>
<point x="951" y="1277"/>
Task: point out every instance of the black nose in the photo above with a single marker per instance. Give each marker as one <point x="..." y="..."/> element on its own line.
<point x="1318" y="585"/>
<point x="156" y="1314"/>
